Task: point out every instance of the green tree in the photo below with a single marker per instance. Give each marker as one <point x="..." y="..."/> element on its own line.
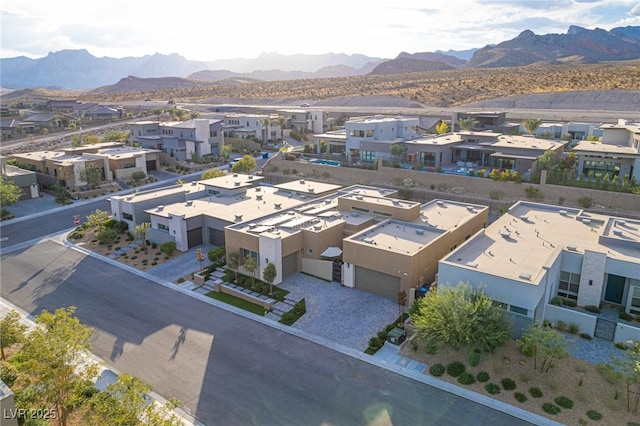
<point x="157" y="112"/>
<point x="125" y="403"/>
<point x="194" y="114"/>
<point x="269" y="275"/>
<point x="544" y="344"/>
<point x="88" y="139"/>
<point x="442" y="127"/>
<point x="76" y="141"/>
<point x="251" y="265"/>
<point x="116" y="136"/>
<point x="10" y="193"/>
<point x="97" y="219"/>
<point x="396" y="150"/>
<point x="246" y="164"/>
<point x="460" y="317"/>
<point x="52" y="354"/>
<point x="11" y="331"/>
<point x="180" y="113"/>
<point x="212" y="173"/>
<point x="282" y="123"/>
<point x="467" y="124"/>
<point x="531" y="125"/>
<point x="90" y="174"/>
<point x="265" y="129"/>
<point x="234" y="260"/>
<point x="141" y="233"/>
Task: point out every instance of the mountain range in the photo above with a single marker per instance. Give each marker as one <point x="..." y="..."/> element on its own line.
<point x="78" y="69"/>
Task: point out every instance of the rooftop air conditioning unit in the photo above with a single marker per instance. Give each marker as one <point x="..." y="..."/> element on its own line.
<point x="525" y="276"/>
<point x="236" y="183"/>
<point x="617" y="232"/>
<point x="302" y="181"/>
<point x="572" y="247"/>
<point x="311" y="190"/>
<point x="159" y="208"/>
<point x="238" y="217"/>
<point x="440" y="203"/>
<point x="277" y="205"/>
<point x="472" y="264"/>
<point x="258" y="197"/>
<point x="420" y="231"/>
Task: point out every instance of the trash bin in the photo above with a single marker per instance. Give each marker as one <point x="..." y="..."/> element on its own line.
<point x="265" y="155"/>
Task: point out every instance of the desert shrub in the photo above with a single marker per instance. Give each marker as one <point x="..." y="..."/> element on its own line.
<point x="533" y="193"/>
<point x="431" y="348"/>
<point x="139" y="175"/>
<point x="570" y="302"/>
<point x="520" y="397"/>
<point x="584" y="202"/>
<point x="8" y="372"/>
<point x="483" y="377"/>
<point x="376" y="343"/>
<point x="550" y="408"/>
<point x="154" y="263"/>
<point x="621" y="345"/>
<point x="474" y="358"/>
<point x="180" y="280"/>
<point x="582" y="394"/>
<point x="154" y="245"/>
<point x="508" y="384"/>
<point x="594" y="415"/>
<point x="608" y="372"/>
<point x="455" y="369"/>
<point x="106" y="236"/>
<point x="592" y="308"/>
<point x="524" y="376"/>
<point x="495" y="195"/>
<point x="466" y="379"/>
<point x="168" y="248"/>
<point x="437" y="370"/>
<point x="557" y="301"/>
<point x="134" y="257"/>
<point x="573" y="328"/>
<point x="625" y="316"/>
<point x="492" y="388"/>
<point x="564" y="402"/>
<point x="535" y="392"/>
<point x="76" y="235"/>
<point x="561" y="325"/>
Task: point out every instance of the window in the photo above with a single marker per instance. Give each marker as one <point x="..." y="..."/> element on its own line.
<point x="127" y="216"/>
<point x="163" y="227"/>
<point x="368" y="156"/>
<point x="569" y="284"/>
<point x="248" y="253"/>
<point x="213" y="192"/>
<point x="128" y="165"/>
<point x="499" y="304"/>
<point x="635" y="300"/>
<point x="518" y="310"/>
<point x="379" y="213"/>
<point x="360" y="209"/>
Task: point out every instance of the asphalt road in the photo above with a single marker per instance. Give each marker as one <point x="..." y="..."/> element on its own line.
<point x="226" y="369"/>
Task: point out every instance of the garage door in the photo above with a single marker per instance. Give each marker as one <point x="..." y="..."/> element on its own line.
<point x="289" y="264"/>
<point x="377" y="283"/>
<point x="216" y="237"/>
<point x="194" y="237"/>
<point x="151" y="165"/>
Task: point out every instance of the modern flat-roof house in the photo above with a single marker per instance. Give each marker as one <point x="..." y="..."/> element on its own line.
<point x="357" y="235"/>
<point x="180" y="139"/>
<point x="617" y="154"/>
<point x="371" y="137"/>
<point x="113" y="159"/>
<point x="476" y="150"/>
<point x="245" y="126"/>
<point x="536" y="252"/>
<point x="24" y="179"/>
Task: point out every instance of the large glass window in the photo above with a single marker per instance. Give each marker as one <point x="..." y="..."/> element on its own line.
<point x="569" y="285"/>
<point x="635" y="300"/>
<point x="518" y="310"/>
<point x="428" y="159"/>
<point x="248" y="253"/>
<point x="368" y="156"/>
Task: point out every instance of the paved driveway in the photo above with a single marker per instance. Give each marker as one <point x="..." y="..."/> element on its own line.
<point x="344" y="315"/>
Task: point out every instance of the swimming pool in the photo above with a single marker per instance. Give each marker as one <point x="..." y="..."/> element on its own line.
<point x="326" y="162"/>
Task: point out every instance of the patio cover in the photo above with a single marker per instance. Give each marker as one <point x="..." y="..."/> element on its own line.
<point x="332" y="252"/>
<point x="517" y="157"/>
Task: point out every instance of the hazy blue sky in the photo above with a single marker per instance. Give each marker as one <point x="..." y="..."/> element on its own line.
<point x="208" y="30"/>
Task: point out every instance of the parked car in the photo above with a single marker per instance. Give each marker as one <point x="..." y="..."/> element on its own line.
<point x="305" y="105"/>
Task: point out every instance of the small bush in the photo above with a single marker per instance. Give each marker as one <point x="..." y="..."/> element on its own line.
<point x="106" y="236"/>
<point x="508" y="384"/>
<point x="524" y="376"/>
<point x="550" y="408"/>
<point x="570" y="302"/>
<point x="621" y="346"/>
<point x="168" y="248"/>
<point x="180" y="280"/>
<point x="154" y="263"/>
<point x="585" y="202"/>
<point x="625" y="316"/>
<point x="557" y="301"/>
<point x="573" y="328"/>
<point x="483" y="377"/>
<point x="431" y="348"/>
<point x="564" y="402"/>
<point x="594" y="415"/>
<point x="492" y="388"/>
<point x="474" y="358"/>
<point x="520" y="397"/>
<point x="533" y="193"/>
<point x="455" y="369"/>
<point x="134" y="257"/>
<point x="154" y="245"/>
<point x="592" y="308"/>
<point x="466" y="379"/>
<point x="535" y="392"/>
<point x="561" y="325"/>
<point x="437" y="370"/>
<point x="375" y="342"/>
<point x="608" y="372"/>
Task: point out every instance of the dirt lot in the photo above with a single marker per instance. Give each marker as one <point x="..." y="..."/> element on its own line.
<point x="572" y="378"/>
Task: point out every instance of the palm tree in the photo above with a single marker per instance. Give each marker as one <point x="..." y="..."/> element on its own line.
<point x="282" y="122"/>
<point x="269" y="275"/>
<point x="250" y="265"/>
<point x="265" y="129"/>
<point x="531" y="125"/>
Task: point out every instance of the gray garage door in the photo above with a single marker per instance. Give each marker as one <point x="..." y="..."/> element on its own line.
<point x="194" y="237"/>
<point x="289" y="264"/>
<point x="151" y="165"/>
<point x="216" y="237"/>
<point x="377" y="283"/>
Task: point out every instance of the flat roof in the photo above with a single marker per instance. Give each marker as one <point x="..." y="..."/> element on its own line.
<point x="446" y="214"/>
<point x="526" y="142"/>
<point x="232" y="181"/>
<point x="38" y="155"/>
<point x="445" y="139"/>
<point x="397" y="236"/>
<point x="380" y="119"/>
<point x="368" y="190"/>
<point x="599" y="147"/>
<point x="160" y="192"/>
<point x="382" y="201"/>
<point x="255" y="203"/>
<point x="530" y="236"/>
<point x="305" y="186"/>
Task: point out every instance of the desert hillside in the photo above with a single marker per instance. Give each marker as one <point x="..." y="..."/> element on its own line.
<point x="438" y="88"/>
